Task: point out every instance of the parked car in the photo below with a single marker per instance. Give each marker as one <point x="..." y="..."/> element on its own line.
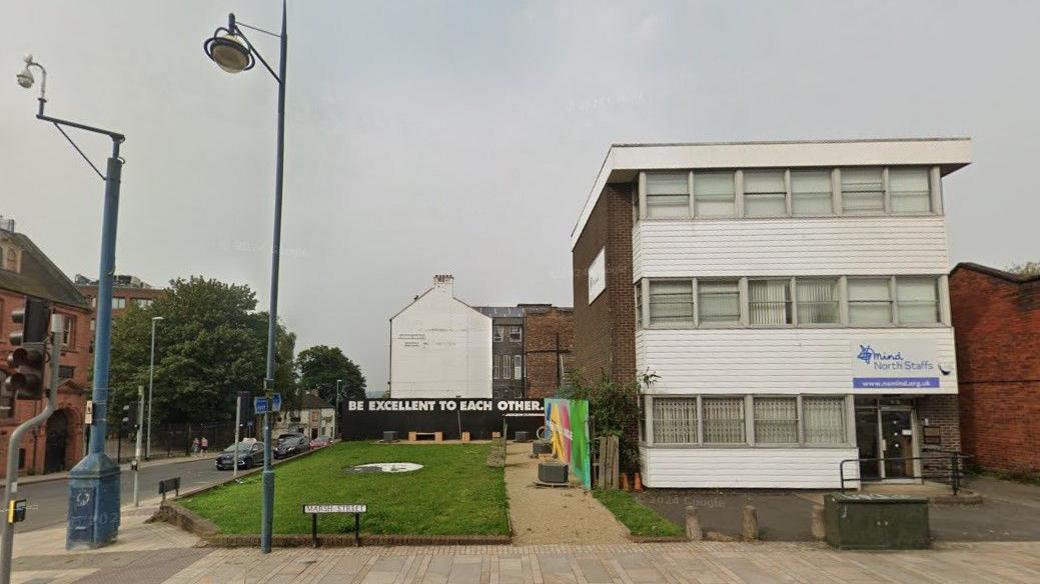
<point x="250" y="454"/>
<point x="320" y="442"/>
<point x="291" y="445"/>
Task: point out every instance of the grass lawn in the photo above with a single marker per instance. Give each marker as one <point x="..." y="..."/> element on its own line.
<point x="638" y="518"/>
<point x="455" y="493"/>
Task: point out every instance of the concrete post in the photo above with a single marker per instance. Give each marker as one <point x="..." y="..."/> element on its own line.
<point x="693" y="525"/>
<point x="817" y="526"/>
<point x="749" y="523"/>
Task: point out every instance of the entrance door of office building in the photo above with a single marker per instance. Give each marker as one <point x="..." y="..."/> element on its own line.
<point x="886" y="430"/>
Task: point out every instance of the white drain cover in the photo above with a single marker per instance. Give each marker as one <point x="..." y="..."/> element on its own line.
<point x="387" y="467"/>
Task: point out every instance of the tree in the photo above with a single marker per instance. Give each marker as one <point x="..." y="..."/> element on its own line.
<point x="1027" y="269"/>
<point x="210" y="345"/>
<point x="319" y="368"/>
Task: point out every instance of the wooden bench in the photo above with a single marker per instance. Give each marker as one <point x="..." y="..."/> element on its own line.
<point x="434" y="436"/>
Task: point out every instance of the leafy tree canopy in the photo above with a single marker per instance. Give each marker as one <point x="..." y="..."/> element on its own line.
<point x="209" y="345"/>
<point x="320" y="366"/>
<point x="1026" y="269"/>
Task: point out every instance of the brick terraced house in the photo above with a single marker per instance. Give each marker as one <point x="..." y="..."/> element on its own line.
<point x="26" y="271"/>
<point x="791" y="298"/>
<point x="997" y="318"/>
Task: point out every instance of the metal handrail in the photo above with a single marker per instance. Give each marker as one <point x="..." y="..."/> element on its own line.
<point x="956" y="472"/>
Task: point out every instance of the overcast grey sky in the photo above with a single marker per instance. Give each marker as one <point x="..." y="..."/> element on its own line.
<point x="463" y="137"/>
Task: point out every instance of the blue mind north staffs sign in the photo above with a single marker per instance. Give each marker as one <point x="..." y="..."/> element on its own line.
<point x="368" y="419"/>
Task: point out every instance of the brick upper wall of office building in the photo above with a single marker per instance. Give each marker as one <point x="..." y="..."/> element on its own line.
<point x="547" y="349"/>
<point x="996" y="316"/>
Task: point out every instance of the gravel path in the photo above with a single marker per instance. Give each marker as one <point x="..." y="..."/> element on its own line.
<point x="553" y="515"/>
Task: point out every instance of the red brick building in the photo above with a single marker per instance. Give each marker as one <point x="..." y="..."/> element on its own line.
<point x="547" y="348"/>
<point x="996" y="315"/>
<point x="126" y="290"/>
<point x="26" y="271"/>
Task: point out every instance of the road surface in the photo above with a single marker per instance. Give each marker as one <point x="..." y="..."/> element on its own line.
<point x="52" y="497"/>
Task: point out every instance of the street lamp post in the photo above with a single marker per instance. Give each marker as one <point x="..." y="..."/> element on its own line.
<point x="151" y="380"/>
<point x="335" y="425"/>
<point x="232" y="51"/>
<point x="94" y="481"/>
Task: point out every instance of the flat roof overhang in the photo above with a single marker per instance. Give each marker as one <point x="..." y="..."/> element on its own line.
<point x="624" y="161"/>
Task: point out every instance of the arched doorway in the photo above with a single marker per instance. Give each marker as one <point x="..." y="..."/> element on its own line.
<point x="57" y="439"/>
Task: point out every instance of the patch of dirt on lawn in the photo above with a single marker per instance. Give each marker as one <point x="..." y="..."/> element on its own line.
<point x="553" y="515"/>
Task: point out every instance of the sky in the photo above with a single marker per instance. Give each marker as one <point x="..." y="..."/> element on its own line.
<point x="463" y="137"/>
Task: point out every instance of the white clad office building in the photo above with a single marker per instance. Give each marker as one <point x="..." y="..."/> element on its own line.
<point x="786" y="304"/>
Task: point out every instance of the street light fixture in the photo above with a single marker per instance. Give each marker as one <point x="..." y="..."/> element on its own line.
<point x="94" y="481"/>
<point x="231" y="50"/>
<point x="151" y="382"/>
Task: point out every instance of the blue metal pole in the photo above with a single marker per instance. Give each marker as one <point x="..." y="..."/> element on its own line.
<point x="94" y="481"/>
<point x="267" y="514"/>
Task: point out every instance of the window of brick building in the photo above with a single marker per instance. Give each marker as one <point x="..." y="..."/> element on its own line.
<point x="516" y="334"/>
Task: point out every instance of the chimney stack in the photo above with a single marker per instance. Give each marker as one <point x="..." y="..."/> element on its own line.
<point x="445" y="282"/>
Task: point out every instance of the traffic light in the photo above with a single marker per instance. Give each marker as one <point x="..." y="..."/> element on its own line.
<point x="130" y="415"/>
<point x="26" y="361"/>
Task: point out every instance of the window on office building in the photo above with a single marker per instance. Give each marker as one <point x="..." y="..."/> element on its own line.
<point x="516" y="334"/>
<point x="765" y="194"/>
<point x="118" y="303"/>
<point x="917" y="299"/>
<point x="494" y="367"/>
<point x="818" y="300"/>
<point x="776" y="420"/>
<point x="518" y="366"/>
<point x="507" y="366"/>
<point x="824" y="420"/>
<point x="870" y="301"/>
<point x="719" y="301"/>
<point x="909" y="191"/>
<point x="667" y="195"/>
<point x="723" y="420"/>
<point x="675" y="420"/>
<point x="811" y="192"/>
<point x="671" y="302"/>
<point x="498" y="334"/>
<point x="639" y="304"/>
<point x="769" y="302"/>
<point x="714" y="194"/>
<point x="862" y="191"/>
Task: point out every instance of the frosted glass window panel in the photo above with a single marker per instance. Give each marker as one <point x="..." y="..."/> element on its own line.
<point x="862" y="191"/>
<point x="918" y="300"/>
<point x="870" y="301"/>
<point x="671" y="302"/>
<point x="719" y="301"/>
<point x="824" y="420"/>
<point x="769" y="302"/>
<point x="675" y="421"/>
<point x="811" y="192"/>
<point x="909" y="190"/>
<point x="776" y="420"/>
<point x="667" y="195"/>
<point x="723" y="420"/>
<point x="765" y="194"/>
<point x="714" y="194"/>
<point x="818" y="300"/>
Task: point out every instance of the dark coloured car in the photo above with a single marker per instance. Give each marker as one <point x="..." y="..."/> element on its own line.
<point x="291" y="445"/>
<point x="250" y="454"/>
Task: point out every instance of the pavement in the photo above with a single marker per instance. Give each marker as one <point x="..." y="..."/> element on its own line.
<point x="1009" y="511"/>
<point x="51" y="497"/>
<point x="148" y="553"/>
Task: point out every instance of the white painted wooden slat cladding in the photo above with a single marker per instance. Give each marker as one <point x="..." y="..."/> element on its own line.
<point x="763" y="361"/>
<point x="790" y="247"/>
<point x="796" y="468"/>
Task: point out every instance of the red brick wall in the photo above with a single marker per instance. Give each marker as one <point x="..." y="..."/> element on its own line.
<point x="71" y="397"/>
<point x="604" y="331"/>
<point x="546" y="331"/>
<point x="997" y="325"/>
